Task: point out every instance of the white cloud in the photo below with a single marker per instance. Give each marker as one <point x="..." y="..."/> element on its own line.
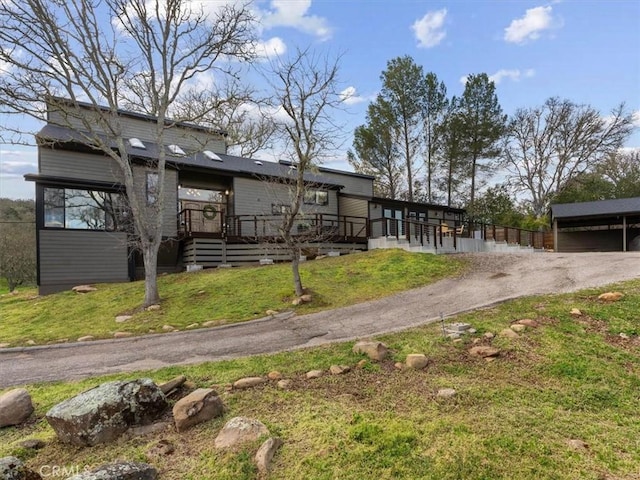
<point x="274" y="47"/>
<point x="294" y="14"/>
<point x="636" y="118"/>
<point x="15" y="163"/>
<point x="349" y="96"/>
<point x="514" y="75"/>
<point x="429" y="29"/>
<point x="529" y="27"/>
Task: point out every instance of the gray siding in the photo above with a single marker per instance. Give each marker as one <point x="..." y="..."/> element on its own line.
<point x="356" y="210"/>
<point x="352" y="184"/>
<point x="353" y="207"/>
<point x="255" y="197"/>
<point x="191" y="140"/>
<point x="74" y="257"/>
<point x="81" y="166"/>
<point x="170" y="207"/>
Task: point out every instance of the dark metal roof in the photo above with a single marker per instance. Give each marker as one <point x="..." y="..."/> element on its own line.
<point x="229" y="164"/>
<point x="616" y="207"/>
<point x="432" y="206"/>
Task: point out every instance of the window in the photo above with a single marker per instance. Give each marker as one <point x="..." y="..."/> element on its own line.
<point x="316" y="197"/>
<point x="152" y="188"/>
<point x="279" y="209"/>
<point x="54" y="207"/>
<point x="85" y="209"/>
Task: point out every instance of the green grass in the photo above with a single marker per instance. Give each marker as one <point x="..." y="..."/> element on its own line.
<point x="220" y="296"/>
<point x="571" y="378"/>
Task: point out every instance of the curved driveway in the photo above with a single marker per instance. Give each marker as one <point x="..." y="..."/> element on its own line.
<point x="494" y="278"/>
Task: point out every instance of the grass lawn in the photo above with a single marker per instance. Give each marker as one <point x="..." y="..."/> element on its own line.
<point x="572" y="378"/>
<point x="218" y="296"/>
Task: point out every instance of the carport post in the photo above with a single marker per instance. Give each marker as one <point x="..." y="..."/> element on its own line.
<point x="555" y="234"/>
<point x="624" y="234"/>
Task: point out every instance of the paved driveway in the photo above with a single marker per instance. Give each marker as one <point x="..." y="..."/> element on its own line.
<point x="494" y="278"/>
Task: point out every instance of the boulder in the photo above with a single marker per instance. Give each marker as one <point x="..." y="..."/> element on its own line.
<point x="274" y="375"/>
<point x="484" y="351"/>
<point x="306" y="298"/>
<point x="284" y="384"/>
<point x="199" y="406"/>
<point x="610" y="296"/>
<point x="240" y="430"/>
<point x="265" y="454"/>
<point x="446" y="393"/>
<point x="508" y="333"/>
<point x="32" y="444"/>
<point x="249" y="382"/>
<point x="575" y="312"/>
<point x="15" y="407"/>
<point x="84" y="289"/>
<point x="518" y="327"/>
<point x="376" y="351"/>
<point x="120" y="471"/>
<point x="12" y="468"/>
<point x="175" y="382"/>
<point x="103" y="413"/>
<point x="123" y="318"/>
<point x="339" y="369"/>
<point x="315" y="374"/>
<point x="417" y="361"/>
<point x="528" y="322"/>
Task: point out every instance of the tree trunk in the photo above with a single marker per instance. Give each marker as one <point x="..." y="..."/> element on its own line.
<point x="473" y="185"/>
<point x="295" y="269"/>
<point x="150" y="258"/>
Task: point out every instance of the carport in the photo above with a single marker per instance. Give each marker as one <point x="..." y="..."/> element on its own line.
<point x="600" y="226"/>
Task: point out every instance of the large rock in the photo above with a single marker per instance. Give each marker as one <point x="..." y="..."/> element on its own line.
<point x="484" y="351"/>
<point x="119" y="471"/>
<point x="240" y="430"/>
<point x="376" y="351"/>
<point x="199" y="406"/>
<point x="12" y="468"/>
<point x="610" y="296"/>
<point x="102" y="414"/>
<point x="417" y="361"/>
<point x="265" y="454"/>
<point x="249" y="382"/>
<point x="15" y="407"/>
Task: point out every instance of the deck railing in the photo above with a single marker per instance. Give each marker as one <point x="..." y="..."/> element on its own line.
<point x="350" y="228"/>
<point x="421" y="232"/>
<point x="320" y="226"/>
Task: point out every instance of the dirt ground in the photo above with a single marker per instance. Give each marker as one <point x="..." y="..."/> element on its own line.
<point x="492" y="278"/>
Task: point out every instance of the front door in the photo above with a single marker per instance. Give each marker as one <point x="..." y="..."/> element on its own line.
<point x="204" y="210"/>
<point x="395" y="226"/>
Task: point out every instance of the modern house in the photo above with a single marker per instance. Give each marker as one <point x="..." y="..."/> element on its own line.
<point x="219" y="209"/>
<point x="602" y="226"/>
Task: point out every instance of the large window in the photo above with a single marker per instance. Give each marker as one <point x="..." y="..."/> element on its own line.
<point x="316" y="197"/>
<point x="85" y="209"/>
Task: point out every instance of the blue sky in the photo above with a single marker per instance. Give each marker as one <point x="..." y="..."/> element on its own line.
<point x="585" y="51"/>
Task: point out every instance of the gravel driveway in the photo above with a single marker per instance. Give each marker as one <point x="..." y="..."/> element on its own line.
<point x="493" y="278"/>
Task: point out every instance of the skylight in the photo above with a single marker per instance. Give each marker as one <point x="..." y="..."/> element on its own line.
<point x="137" y="143"/>
<point x="212" y="156"/>
<point x="176" y="150"/>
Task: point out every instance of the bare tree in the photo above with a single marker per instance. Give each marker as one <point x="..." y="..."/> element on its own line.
<point x="236" y="109"/>
<point x="549" y="145"/>
<point x="113" y="54"/>
<point x="305" y="87"/>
